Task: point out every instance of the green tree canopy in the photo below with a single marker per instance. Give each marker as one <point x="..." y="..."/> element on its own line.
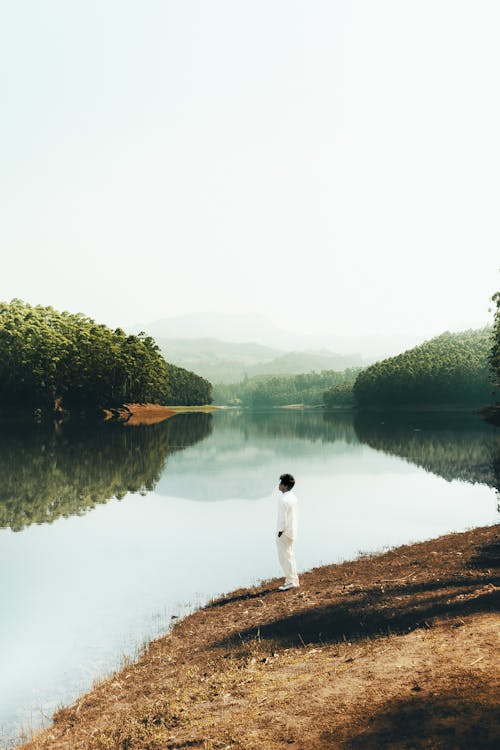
<point x="495" y="349"/>
<point x="49" y="357"/>
<point x="185" y="388"/>
<point x="452" y="368"/>
<point x="279" y="390"/>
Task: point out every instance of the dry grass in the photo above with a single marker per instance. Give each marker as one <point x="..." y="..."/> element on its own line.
<point x="397" y="650"/>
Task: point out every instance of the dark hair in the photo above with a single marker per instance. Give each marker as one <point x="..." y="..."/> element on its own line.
<point x="287" y="480"/>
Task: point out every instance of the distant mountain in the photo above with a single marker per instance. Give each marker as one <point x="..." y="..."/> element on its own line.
<point x="218" y="361"/>
<point x="251" y="327"/>
<point x="296" y="363"/>
<point x="227" y="362"/>
<point x="200" y="349"/>
<point x="230" y="328"/>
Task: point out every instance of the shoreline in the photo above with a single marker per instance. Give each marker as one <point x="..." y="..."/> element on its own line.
<point x="129" y="413"/>
<point x="143" y="414"/>
<point x="150" y="413"/>
<point x="388" y="650"/>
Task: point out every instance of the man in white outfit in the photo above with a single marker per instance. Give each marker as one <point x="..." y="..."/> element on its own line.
<point x="287" y="531"/>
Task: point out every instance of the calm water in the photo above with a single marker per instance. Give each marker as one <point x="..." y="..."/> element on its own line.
<point x="107" y="532"/>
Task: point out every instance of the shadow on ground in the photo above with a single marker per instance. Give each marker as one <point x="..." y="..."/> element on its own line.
<point x="488" y="557"/>
<point x="359" y="611"/>
<point x="444" y="721"/>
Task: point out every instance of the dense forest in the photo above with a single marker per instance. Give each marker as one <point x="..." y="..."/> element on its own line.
<point x="280" y="390"/>
<point x="49" y="473"/>
<point x="495" y="349"/>
<point x="50" y="358"/>
<point x="185" y="388"/>
<point x="341" y="395"/>
<point x="453" y="368"/>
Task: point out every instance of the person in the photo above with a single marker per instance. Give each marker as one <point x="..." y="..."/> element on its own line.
<point x="287" y="531"/>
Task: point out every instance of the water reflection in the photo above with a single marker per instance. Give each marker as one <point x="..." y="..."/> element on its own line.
<point x="130" y="565"/>
<point x="451" y="445"/>
<point x="248" y="448"/>
<point x="48" y="473"/>
<point x="303" y="425"/>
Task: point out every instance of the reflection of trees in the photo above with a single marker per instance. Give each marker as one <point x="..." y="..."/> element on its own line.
<point x="312" y="425"/>
<point x="47" y="474"/>
<point x="496" y="465"/>
<point x="452" y="445"/>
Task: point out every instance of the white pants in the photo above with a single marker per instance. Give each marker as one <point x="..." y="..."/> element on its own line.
<point x="287" y="559"/>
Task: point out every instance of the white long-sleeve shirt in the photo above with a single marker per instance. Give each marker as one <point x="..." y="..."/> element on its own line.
<point x="287" y="514"/>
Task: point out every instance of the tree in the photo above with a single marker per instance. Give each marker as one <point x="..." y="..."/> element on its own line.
<point x="494" y="357"/>
<point x="50" y="358"/>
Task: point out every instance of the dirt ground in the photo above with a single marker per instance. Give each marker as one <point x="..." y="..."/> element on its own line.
<point x="392" y="651"/>
<point x="139" y="414"/>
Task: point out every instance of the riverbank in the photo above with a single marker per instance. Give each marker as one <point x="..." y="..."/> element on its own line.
<point x="396" y="650"/>
<point x="142" y="414"/>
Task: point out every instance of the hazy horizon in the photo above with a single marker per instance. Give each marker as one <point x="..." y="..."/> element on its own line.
<point x="332" y="167"/>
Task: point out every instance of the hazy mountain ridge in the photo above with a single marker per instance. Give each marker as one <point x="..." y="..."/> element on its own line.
<point x="228" y="348"/>
<point x="227" y="362"/>
<point x="259" y="330"/>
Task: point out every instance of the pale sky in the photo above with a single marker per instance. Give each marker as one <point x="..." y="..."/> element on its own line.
<point x="334" y="165"/>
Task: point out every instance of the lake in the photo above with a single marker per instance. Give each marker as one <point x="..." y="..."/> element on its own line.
<point x="109" y="532"/>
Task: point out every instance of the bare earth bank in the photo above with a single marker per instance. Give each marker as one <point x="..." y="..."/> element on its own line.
<point x="397" y="650"/>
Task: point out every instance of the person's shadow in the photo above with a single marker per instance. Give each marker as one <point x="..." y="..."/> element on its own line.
<point x="372" y="610"/>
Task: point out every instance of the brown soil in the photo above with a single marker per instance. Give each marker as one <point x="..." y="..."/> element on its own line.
<point x="141" y="414"/>
<point x="397" y="650"/>
<point x="136" y="414"/>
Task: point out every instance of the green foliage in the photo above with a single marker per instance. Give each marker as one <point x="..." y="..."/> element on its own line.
<point x="49" y="473"/>
<point x="49" y="357"/>
<point x="495" y="349"/>
<point x="340" y="395"/>
<point x="450" y="369"/>
<point x="281" y="390"/>
<point x="185" y="388"/>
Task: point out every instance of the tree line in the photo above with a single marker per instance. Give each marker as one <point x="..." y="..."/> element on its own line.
<point x="494" y="357"/>
<point x="453" y="368"/>
<point x="58" y="359"/>
<point x="280" y="390"/>
<point x="460" y="369"/>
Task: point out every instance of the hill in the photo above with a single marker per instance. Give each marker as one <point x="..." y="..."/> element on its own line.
<point x="251" y="327"/>
<point x="229" y="362"/>
<point x="57" y="361"/>
<point x="453" y="368"/>
<point x="218" y="361"/>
